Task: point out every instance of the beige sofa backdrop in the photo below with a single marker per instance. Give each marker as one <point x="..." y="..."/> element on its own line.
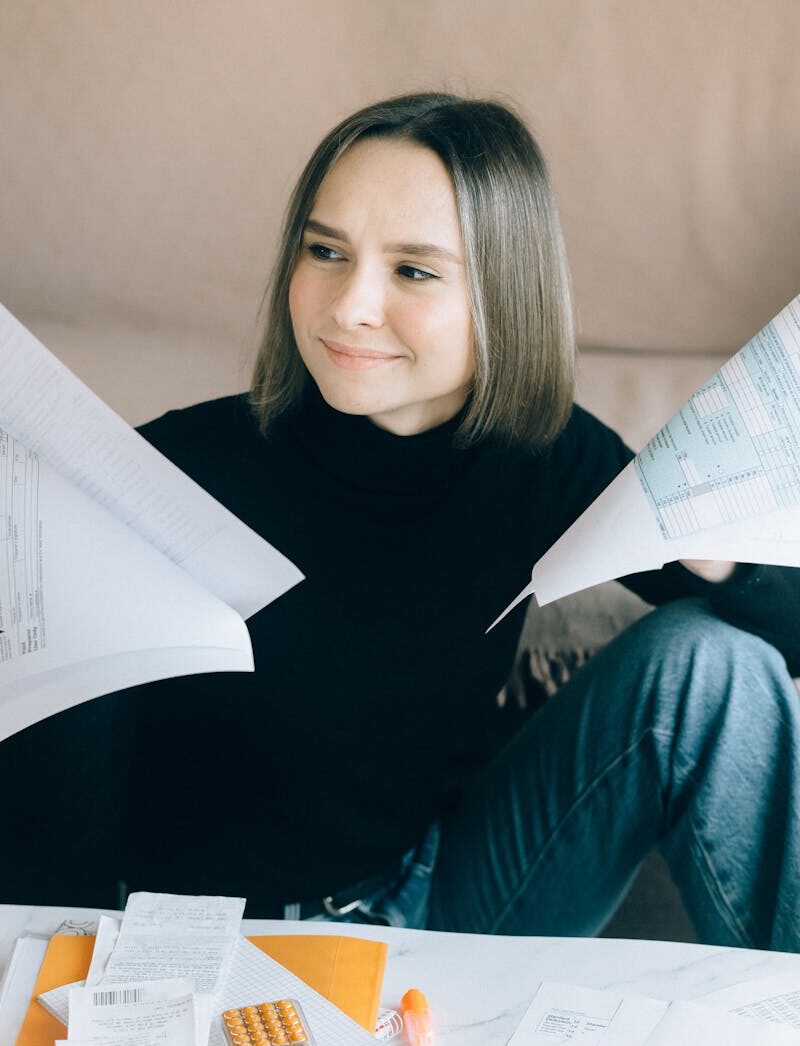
<point x="147" y="148"/>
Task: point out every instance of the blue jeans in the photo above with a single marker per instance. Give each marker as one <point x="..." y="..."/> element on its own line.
<point x="682" y="734"/>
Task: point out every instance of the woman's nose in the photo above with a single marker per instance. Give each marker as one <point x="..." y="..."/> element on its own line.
<point x="360" y="300"/>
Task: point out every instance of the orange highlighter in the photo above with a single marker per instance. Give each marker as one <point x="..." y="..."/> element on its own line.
<point x="417" y="1018"/>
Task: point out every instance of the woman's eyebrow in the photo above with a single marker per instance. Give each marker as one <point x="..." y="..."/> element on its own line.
<point x="429" y="250"/>
<point x="312" y="225"/>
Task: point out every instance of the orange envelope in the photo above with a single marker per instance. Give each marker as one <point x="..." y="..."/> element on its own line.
<point x="67" y="959"/>
<point x="348" y="971"/>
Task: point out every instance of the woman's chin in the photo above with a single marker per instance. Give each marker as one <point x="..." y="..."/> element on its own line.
<point x="349" y="400"/>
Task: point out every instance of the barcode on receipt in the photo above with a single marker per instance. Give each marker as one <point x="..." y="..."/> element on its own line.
<point x="119" y="997"/>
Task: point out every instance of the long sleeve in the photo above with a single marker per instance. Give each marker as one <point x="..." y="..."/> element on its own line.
<point x="764" y="600"/>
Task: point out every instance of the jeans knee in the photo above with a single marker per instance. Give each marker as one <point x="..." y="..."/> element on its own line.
<point x="689" y="629"/>
<point x="697" y="653"/>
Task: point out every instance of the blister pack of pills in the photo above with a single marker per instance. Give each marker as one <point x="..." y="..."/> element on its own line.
<point x="277" y="1023"/>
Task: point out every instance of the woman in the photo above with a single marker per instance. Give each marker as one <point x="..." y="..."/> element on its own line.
<point x="410" y="442"/>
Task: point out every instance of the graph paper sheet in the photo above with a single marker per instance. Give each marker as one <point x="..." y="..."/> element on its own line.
<point x="256" y="978"/>
<point x="721" y="480"/>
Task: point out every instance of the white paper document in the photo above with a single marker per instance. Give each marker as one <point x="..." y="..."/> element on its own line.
<point x="721" y="480"/>
<point x="565" y="1013"/>
<point x="16" y="987"/>
<point x="144" y="1013"/>
<point x="171" y="935"/>
<point x="768" y="998"/>
<point x="164" y="936"/>
<point x="115" y="568"/>
<point x="691" y="1025"/>
<point x="104" y="941"/>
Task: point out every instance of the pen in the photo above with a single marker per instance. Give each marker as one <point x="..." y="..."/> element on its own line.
<point x="417" y="1018"/>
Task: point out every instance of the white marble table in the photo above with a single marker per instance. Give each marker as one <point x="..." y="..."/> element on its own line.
<point x="479" y="987"/>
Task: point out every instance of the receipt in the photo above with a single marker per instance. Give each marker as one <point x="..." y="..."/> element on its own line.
<point x="171" y="935"/>
<point x="143" y="1013"/>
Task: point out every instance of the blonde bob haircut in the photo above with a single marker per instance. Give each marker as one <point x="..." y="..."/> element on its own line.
<point x="517" y="274"/>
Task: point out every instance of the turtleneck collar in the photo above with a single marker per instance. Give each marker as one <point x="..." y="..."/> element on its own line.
<point x="354" y="450"/>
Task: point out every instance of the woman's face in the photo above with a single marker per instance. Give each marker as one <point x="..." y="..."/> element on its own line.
<point x="378" y="297"/>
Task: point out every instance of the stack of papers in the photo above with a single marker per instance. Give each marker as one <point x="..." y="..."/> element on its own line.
<point x="122" y="570"/>
<point x="158" y="971"/>
<point x="167" y="971"/>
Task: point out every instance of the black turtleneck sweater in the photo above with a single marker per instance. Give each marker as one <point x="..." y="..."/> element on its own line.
<point x="374" y="695"/>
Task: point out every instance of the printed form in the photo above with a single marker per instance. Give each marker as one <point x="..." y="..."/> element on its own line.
<point x="721" y="480"/>
<point x="565" y="1013"/>
<point x="87" y="606"/>
<point x="562" y="1013"/>
<point x="22" y="626"/>
<point x="733" y="451"/>
<point x="768" y="998"/>
<point x="692" y="1025"/>
<point x="115" y="567"/>
<point x="52" y="413"/>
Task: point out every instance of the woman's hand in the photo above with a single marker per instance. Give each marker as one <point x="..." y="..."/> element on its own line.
<point x="710" y="569"/>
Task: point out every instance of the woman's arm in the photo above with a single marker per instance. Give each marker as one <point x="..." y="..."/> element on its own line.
<point x="718" y="570"/>
<point x="711" y="569"/>
<point x="764" y="600"/>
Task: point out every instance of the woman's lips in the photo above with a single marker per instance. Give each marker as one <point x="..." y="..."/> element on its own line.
<point x="351" y="358"/>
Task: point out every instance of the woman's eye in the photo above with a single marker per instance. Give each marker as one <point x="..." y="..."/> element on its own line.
<point x="411" y="272"/>
<point x="322" y="253"/>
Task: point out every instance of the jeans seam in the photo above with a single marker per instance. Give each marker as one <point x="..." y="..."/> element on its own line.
<point x="716" y="891"/>
<point x="587" y="791"/>
<point x="702" y="861"/>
